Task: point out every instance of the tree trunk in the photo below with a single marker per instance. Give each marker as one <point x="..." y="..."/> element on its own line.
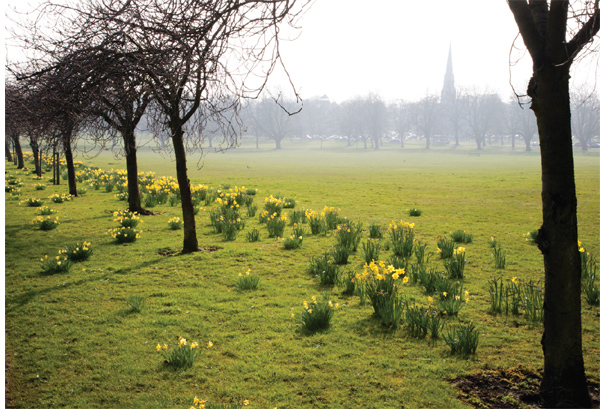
<point x="19" y="151"/>
<point x="190" y="240"/>
<point x="7" y="150"/>
<point x="277" y="143"/>
<point x="36" y="156"/>
<point x="133" y="189"/>
<point x="564" y="383"/>
<point x="70" y="164"/>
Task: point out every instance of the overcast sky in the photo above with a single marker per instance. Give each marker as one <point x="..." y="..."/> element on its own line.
<point x="399" y="49"/>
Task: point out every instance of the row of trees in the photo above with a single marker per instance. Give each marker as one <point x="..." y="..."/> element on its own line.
<point x="479" y="116"/>
<point x="97" y="67"/>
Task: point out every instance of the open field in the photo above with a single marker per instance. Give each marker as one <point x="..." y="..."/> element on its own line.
<point x="72" y="340"/>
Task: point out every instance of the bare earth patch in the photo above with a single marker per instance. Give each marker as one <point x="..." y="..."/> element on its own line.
<point x="512" y="388"/>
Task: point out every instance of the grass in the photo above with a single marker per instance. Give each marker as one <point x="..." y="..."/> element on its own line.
<point x="72" y="341"/>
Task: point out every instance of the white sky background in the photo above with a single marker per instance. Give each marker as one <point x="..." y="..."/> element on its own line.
<point x="399" y="49"/>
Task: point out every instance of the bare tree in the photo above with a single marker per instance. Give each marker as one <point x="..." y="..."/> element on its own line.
<point x="585" y="106"/>
<point x="185" y="49"/>
<point x="13" y="117"/>
<point x="544" y="27"/>
<point x="400" y="119"/>
<point x="268" y="119"/>
<point x="425" y="116"/>
<point x="521" y="121"/>
<point x="481" y="115"/>
<point x="375" y="118"/>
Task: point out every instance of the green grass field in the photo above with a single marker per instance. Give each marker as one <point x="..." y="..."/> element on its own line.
<point x="73" y="341"/>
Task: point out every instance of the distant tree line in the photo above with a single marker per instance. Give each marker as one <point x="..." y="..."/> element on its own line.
<point x="369" y="122"/>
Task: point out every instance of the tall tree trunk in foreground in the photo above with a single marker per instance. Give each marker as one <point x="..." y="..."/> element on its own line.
<point x="190" y="240"/>
<point x="133" y="188"/>
<point x="18" y="151"/>
<point x="544" y="32"/>
<point x="70" y="164"/>
<point x="7" y="150"/>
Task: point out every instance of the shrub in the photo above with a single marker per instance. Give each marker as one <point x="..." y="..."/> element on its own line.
<point x="46" y="211"/>
<point x="136" y="303"/>
<point x="316" y="315"/>
<point x="246" y="282"/>
<point x="455" y="265"/>
<point x="273" y="205"/>
<point x="252" y="236"/>
<point x="124" y="234"/>
<point x="34" y="202"/>
<point x="463" y="341"/>
<point x="322" y="268"/>
<point x="292" y="242"/>
<point x="346" y="282"/>
<point x="531" y="237"/>
<point x="275" y="225"/>
<point x="46" y="223"/>
<point x="39" y="186"/>
<point x="331" y="217"/>
<point x="445" y="247"/>
<point x="348" y="235"/>
<point x="381" y="285"/>
<point x="252" y="210"/>
<point x="127" y="219"/>
<point x="315" y="222"/>
<point x="461" y="236"/>
<point x="414" y="212"/>
<point x="499" y="257"/>
<point x="401" y="238"/>
<point x="79" y="251"/>
<point x="53" y="265"/>
<point x="340" y="254"/>
<point x="183" y="355"/>
<point x="421" y="257"/>
<point x="371" y="250"/>
<point x="175" y="223"/>
<point x="375" y="231"/>
<point x="452" y="303"/>
<point x="591" y="290"/>
<point x="493" y="242"/>
<point x="56" y="198"/>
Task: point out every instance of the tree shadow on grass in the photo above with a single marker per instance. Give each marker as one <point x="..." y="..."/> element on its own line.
<point x="12" y="304"/>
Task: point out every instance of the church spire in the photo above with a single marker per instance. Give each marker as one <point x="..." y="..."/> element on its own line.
<point x="448" y="91"/>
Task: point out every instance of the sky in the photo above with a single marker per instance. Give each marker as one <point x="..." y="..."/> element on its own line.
<point x="399" y="48"/>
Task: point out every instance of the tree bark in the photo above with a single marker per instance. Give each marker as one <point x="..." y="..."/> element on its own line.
<point x="190" y="240"/>
<point x="70" y="164"/>
<point x="7" y="150"/>
<point x="277" y="143"/>
<point x="35" y="148"/>
<point x="19" y="152"/>
<point x="564" y="381"/>
<point x="133" y="188"/>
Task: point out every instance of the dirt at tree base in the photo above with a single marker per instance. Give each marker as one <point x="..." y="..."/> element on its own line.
<point x="511" y="388"/>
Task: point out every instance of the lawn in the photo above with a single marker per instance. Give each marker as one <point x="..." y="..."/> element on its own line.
<point x="72" y="339"/>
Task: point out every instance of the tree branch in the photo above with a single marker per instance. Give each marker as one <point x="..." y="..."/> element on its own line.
<point x="527" y="27"/>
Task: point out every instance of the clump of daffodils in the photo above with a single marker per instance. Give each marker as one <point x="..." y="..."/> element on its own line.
<point x="316" y="315"/>
<point x="127" y="218"/>
<point x="124" y="234"/>
<point x="46" y="223"/>
<point x="57" y="264"/>
<point x="78" y="251"/>
<point x="175" y="223"/>
<point x="56" y="198"/>
<point x="182" y="354"/>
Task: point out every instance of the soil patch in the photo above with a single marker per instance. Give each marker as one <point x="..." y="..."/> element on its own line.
<point x="512" y="388"/>
<point x="170" y="251"/>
